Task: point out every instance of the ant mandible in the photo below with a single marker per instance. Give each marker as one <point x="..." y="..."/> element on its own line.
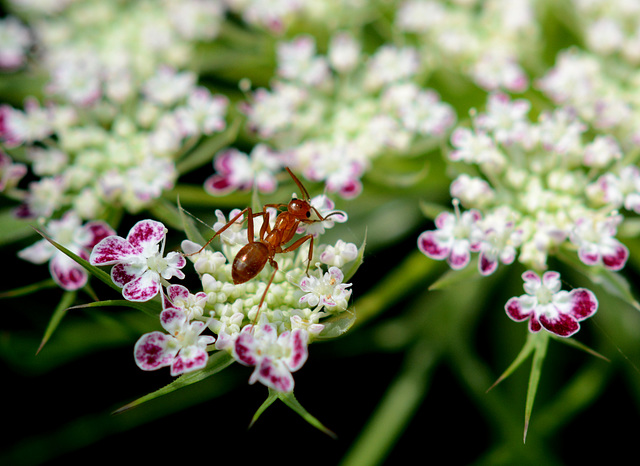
<point x="252" y="258"/>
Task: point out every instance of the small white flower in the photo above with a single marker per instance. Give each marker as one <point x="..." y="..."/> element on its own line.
<point x="297" y="61"/>
<point x="15" y="41"/>
<point x="139" y="266"/>
<point x="168" y="86"/>
<point x="601" y="152"/>
<point x="339" y="254"/>
<point x="391" y="64"/>
<point x="326" y="290"/>
<point x="344" y="52"/>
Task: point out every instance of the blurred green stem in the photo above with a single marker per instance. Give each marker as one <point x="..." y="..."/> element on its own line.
<point x="400" y="281"/>
<point x="399" y="404"/>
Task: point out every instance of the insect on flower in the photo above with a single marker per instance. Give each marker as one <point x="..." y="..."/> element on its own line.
<point x="252" y="258"/>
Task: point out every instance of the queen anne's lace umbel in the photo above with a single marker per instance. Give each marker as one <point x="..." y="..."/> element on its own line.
<point x="535" y="191"/>
<point x="272" y="338"/>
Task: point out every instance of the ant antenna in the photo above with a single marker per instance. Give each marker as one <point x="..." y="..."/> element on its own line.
<point x="300" y="186"/>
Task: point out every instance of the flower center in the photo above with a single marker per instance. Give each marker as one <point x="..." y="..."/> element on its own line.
<point x="157" y="263"/>
<point x="544" y="295"/>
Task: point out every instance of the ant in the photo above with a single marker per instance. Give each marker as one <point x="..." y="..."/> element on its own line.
<point x="253" y="257"/>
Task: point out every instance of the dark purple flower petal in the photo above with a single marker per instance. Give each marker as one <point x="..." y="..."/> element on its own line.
<point x="219" y="185"/>
<point x="274" y="376"/>
<point x="534" y="324"/>
<point x="588" y="257"/>
<point x="584" y="303"/>
<point x="67" y="273"/>
<point x="177" y="291"/>
<point x="430" y="247"/>
<point x="617" y="259"/>
<point x="514" y="310"/>
<point x="98" y="231"/>
<point x="197" y="360"/>
<point x="172" y="320"/>
<point x="487" y="266"/>
<point x="351" y="189"/>
<point x="145" y="233"/>
<point x="245" y="349"/>
<point x="151" y="351"/>
<point x="141" y="289"/>
<point x="120" y="275"/>
<point x="111" y="250"/>
<point x="299" y="349"/>
<point x="562" y="325"/>
<point x="459" y="257"/>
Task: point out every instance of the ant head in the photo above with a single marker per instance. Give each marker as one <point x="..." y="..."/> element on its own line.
<point x="302" y="208"/>
<point x="303" y="211"/>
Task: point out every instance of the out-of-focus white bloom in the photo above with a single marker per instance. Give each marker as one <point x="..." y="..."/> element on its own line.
<point x="15" y="41"/>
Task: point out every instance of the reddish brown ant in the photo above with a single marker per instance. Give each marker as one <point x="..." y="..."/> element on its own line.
<point x="252" y="258"/>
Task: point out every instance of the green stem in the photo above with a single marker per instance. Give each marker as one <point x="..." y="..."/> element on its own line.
<point x="398" y="406"/>
<point x="412" y="271"/>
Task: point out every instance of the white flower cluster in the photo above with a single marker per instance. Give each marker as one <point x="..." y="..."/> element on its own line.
<point x="331" y="115"/>
<point x="534" y="187"/>
<point x="602" y="95"/>
<point x="119" y="110"/>
<point x="294" y="300"/>
<point x="611" y="28"/>
<point x="15" y="42"/>
<point x="268" y="321"/>
<point x="99" y="155"/>
<point x="487" y="41"/>
<point x="278" y="16"/>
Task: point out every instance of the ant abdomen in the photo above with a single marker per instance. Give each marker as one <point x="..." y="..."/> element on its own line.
<point x="249" y="261"/>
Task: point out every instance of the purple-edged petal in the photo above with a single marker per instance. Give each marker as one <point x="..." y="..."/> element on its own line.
<point x="551" y="280"/>
<point x="218" y="185"/>
<point x="487" y="266"/>
<point x="154" y="350"/>
<point x="514" y="310"/>
<point x="98" y="231"/>
<point x="589" y="256"/>
<point x="111" y="250"/>
<point x="584" y="303"/>
<point x="175" y="261"/>
<point x="177" y="292"/>
<point x="562" y="325"/>
<point x="534" y="324"/>
<point x="172" y="320"/>
<point x="245" y="349"/>
<point x="299" y="349"/>
<point x="430" y="246"/>
<point x="617" y="258"/>
<point x="532" y="282"/>
<point x="443" y="219"/>
<point x="142" y="288"/>
<point x="121" y="274"/>
<point x="349" y="189"/>
<point x="460" y="255"/>
<point x="273" y="374"/>
<point x="67" y="273"/>
<point x="189" y="359"/>
<point x="146" y="233"/>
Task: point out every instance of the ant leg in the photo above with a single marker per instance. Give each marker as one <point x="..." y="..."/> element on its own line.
<point x="249" y="225"/>
<point x="266" y="228"/>
<point x="221" y="230"/>
<point x="274" y="264"/>
<point x="299" y="243"/>
<point x="225" y="227"/>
